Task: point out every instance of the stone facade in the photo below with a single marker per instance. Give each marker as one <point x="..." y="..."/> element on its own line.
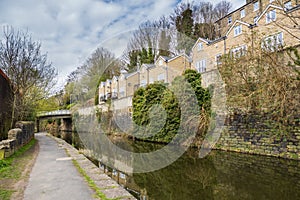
<point x="248" y="13"/>
<point x="165" y="69"/>
<point x="132" y="83"/>
<point x="243" y="34"/>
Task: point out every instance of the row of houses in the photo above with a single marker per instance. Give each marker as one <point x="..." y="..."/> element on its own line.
<point x="271" y="23"/>
<point x="165" y="69"/>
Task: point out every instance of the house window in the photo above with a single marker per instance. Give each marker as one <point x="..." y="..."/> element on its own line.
<point x="239" y="51"/>
<point x="256" y="6"/>
<point x="219" y="59"/>
<point x="161" y="77"/>
<point x="288" y="5"/>
<point x="143" y="83"/>
<point x="243" y="13"/>
<point x="229" y="20"/>
<point x="201" y="66"/>
<point x="273" y="42"/>
<point x="271" y="16"/>
<point x="160" y="63"/>
<point x="237" y="30"/>
<point x="200" y="46"/>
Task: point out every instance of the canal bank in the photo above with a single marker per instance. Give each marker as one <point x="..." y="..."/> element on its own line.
<point x="220" y="175"/>
<point x="55" y="176"/>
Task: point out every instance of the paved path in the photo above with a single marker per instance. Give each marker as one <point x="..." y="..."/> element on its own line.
<point x="54" y="175"/>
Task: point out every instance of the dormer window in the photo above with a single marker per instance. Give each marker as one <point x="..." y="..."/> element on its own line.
<point x="200" y="46"/>
<point x="229" y="20"/>
<point x="243" y="13"/>
<point x="160" y="62"/>
<point x="255" y="6"/>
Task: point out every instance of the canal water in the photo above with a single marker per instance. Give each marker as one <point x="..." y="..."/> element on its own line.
<point x="220" y="175"/>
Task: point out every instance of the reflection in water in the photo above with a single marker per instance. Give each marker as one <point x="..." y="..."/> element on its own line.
<point x="221" y="175"/>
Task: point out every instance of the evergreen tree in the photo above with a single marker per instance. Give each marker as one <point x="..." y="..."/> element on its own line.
<point x="164" y="44"/>
<point x="184" y="25"/>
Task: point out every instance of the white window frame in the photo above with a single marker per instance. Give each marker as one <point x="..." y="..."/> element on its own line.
<point x="143" y="83"/>
<point x="270" y="16"/>
<point x="200" y="46"/>
<point x="160" y="62"/>
<point x="238" y="30"/>
<point x="273" y="42"/>
<point x="288" y="5"/>
<point x="201" y="66"/>
<point x="256" y="6"/>
<point x="239" y="51"/>
<point x="243" y="13"/>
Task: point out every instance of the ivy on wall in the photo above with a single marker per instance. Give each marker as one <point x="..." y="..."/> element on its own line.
<point x="157" y="112"/>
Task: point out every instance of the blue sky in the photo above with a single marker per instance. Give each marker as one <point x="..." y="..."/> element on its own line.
<point x="70" y="30"/>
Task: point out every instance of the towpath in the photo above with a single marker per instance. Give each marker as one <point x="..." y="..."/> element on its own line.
<point x="54" y="176"/>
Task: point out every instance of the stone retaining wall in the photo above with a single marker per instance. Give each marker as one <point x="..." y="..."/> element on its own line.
<point x="17" y="138"/>
<point x="255" y="134"/>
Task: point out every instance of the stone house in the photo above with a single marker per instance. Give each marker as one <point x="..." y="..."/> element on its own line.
<point x="132" y="83"/>
<point x="242" y="33"/>
<point x="102" y="91"/>
<point x="250" y="12"/>
<point x="166" y="69"/>
<point x="177" y="65"/>
<point x="144" y="74"/>
<point x="115" y="87"/>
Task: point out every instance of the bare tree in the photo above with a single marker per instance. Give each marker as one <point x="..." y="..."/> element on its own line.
<point x="101" y="65"/>
<point x="222" y="9"/>
<point x="26" y="66"/>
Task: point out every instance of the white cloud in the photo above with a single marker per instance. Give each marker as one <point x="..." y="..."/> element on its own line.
<point x="70" y="30"/>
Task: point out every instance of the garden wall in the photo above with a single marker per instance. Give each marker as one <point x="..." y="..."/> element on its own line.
<point x="17" y="138"/>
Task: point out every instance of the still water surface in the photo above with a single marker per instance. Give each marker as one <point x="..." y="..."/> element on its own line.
<point x="221" y="175"/>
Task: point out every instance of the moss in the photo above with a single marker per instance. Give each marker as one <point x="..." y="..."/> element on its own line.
<point x="91" y="183"/>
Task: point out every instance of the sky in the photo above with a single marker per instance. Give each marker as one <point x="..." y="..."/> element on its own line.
<point x="70" y="30"/>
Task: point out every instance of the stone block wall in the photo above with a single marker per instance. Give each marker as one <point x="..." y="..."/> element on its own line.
<point x="255" y="135"/>
<point x="17" y="138"/>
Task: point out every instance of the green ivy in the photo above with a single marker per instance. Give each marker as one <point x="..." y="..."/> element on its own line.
<point x="164" y="123"/>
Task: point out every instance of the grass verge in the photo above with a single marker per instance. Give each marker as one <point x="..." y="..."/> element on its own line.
<point x="91" y="183"/>
<point x="12" y="168"/>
